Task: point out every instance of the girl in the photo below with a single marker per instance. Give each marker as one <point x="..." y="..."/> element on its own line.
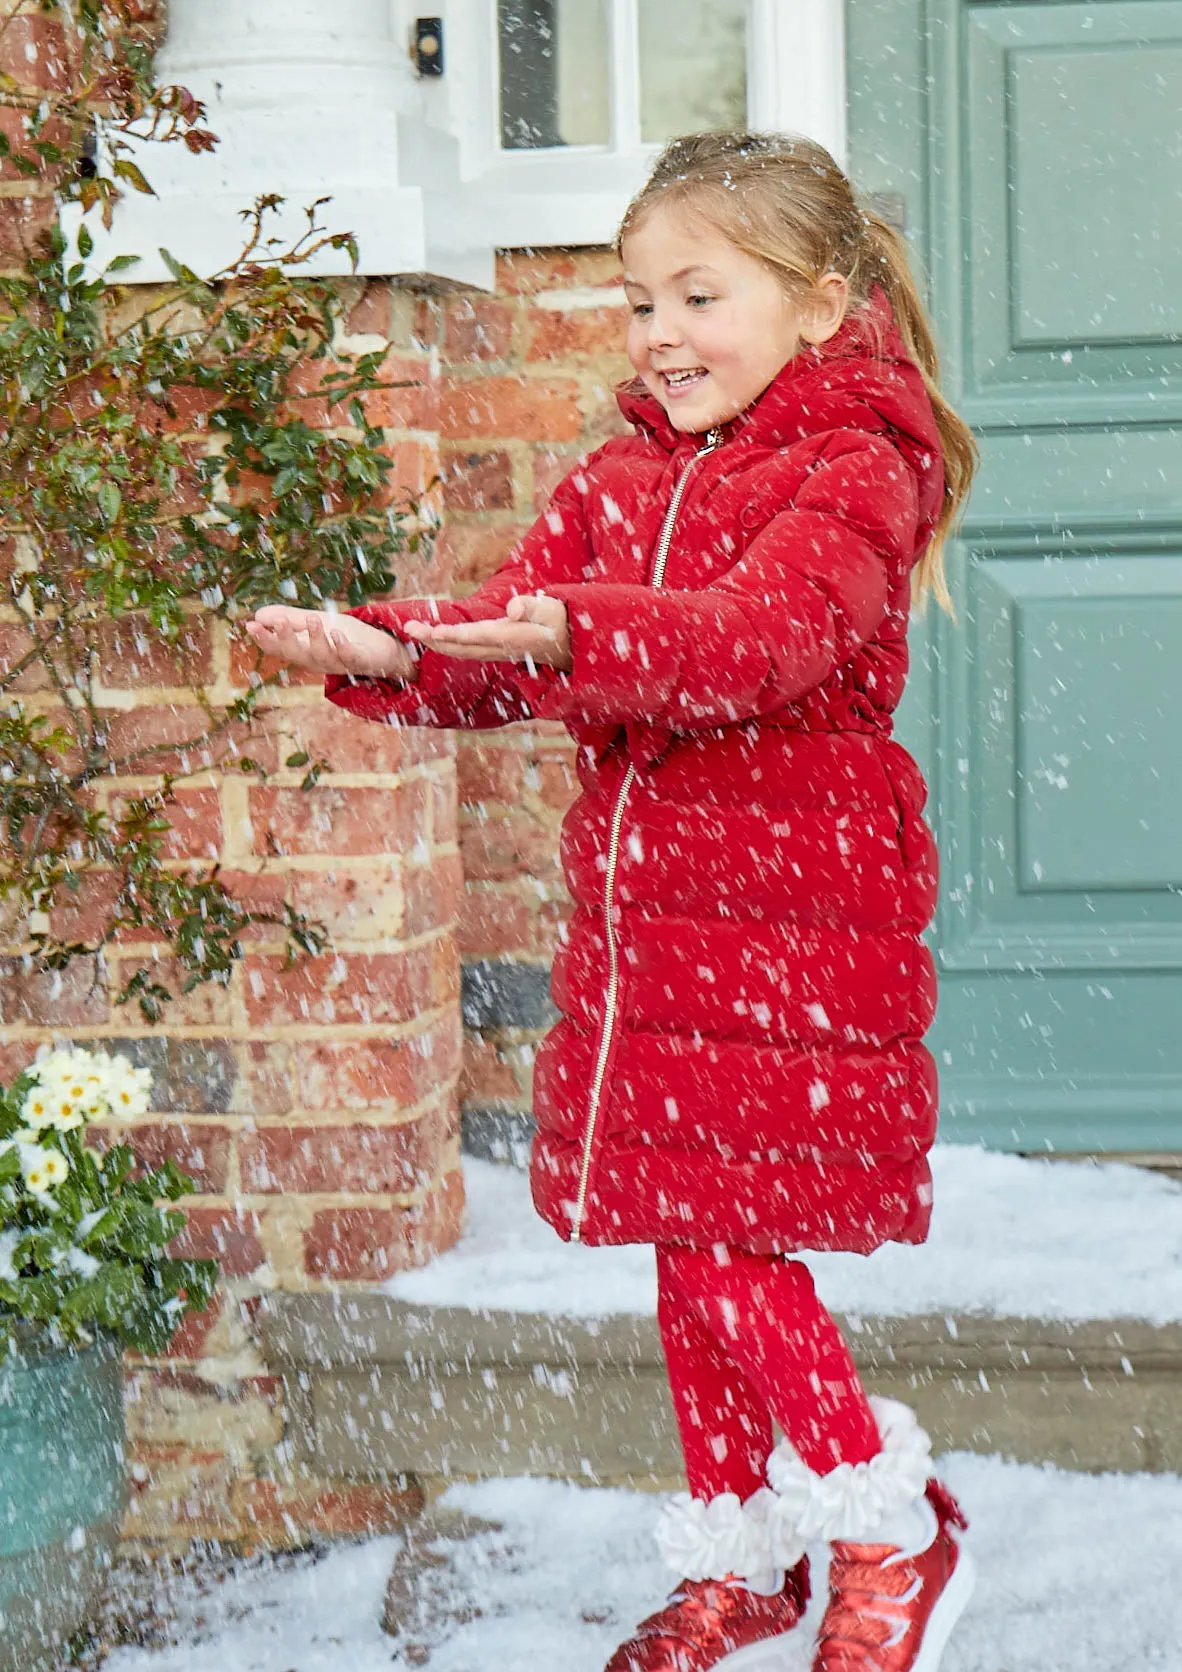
<point x="717" y="607"/>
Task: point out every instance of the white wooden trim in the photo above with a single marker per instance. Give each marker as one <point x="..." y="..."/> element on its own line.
<point x="624" y="70"/>
<point x="796" y="69"/>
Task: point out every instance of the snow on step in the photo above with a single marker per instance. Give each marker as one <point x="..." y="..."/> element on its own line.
<point x="1011" y="1237"/>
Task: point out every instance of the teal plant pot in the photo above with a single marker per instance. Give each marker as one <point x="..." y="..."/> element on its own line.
<point x="62" y="1492"/>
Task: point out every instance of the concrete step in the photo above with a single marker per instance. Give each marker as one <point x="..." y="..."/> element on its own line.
<point x="379" y="1387"/>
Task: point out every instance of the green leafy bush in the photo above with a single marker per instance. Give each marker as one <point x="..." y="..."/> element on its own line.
<point x="83" y="1234"/>
<point x="167" y="456"/>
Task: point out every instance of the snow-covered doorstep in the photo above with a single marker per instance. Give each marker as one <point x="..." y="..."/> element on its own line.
<point x="1010" y="1237"/>
<point x="1076" y="1572"/>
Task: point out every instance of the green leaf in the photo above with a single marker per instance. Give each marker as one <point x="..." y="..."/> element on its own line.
<point x="85" y="242"/>
<point x="110" y="500"/>
<point x="124" y="169"/>
<point x="121" y="263"/>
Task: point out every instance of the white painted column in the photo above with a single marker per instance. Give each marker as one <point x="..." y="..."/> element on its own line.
<point x="307" y="98"/>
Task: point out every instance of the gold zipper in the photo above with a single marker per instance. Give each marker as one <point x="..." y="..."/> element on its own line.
<point x="713" y="439"/>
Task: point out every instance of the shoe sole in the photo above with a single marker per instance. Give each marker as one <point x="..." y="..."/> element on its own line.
<point x="769" y="1656"/>
<point x="949" y="1607"/>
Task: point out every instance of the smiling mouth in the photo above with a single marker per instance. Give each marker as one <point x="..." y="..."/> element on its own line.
<point x="682" y="379"/>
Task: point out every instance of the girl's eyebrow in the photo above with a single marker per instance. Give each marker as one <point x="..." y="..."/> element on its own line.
<point x="681" y="273"/>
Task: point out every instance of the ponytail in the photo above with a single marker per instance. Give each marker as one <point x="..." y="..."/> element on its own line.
<point x="959" y="445"/>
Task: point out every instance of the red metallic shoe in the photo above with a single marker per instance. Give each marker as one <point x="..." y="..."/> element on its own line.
<point x="893" y="1610"/>
<point x="716" y="1624"/>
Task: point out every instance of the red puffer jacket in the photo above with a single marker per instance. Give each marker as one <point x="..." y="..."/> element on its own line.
<point x="743" y="986"/>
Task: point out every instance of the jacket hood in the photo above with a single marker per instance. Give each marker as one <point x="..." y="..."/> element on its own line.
<point x="863" y="378"/>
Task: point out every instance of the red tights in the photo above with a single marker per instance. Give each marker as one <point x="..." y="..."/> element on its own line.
<point x="747" y="1343"/>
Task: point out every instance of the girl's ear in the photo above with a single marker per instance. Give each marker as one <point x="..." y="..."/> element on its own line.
<point x="825" y="309"/>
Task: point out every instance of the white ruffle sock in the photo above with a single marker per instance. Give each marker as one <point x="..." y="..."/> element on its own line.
<point x="879" y="1502"/>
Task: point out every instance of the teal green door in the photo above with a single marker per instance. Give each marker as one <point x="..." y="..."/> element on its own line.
<point x="1035" y="151"/>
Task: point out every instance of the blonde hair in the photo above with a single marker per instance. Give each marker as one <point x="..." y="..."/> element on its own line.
<point x="783" y="200"/>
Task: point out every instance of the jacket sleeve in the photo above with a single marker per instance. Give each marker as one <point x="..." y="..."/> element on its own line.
<point x="811" y="588"/>
<point x="449" y="691"/>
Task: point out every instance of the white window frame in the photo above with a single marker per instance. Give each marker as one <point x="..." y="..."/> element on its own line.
<point x="576" y="194"/>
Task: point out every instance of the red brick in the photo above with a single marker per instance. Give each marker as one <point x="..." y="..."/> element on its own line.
<point x="490" y="772"/>
<point x="24" y="221"/>
<point x="528" y="409"/>
<point x="476" y="328"/>
<point x="201" y="1151"/>
<point x="195" y="824"/>
<point x="131" y="653"/>
<point x="228" y="1234"/>
<point x="373" y="988"/>
<point x="494" y="922"/>
<point x="154" y="727"/>
<point x="33" y="52"/>
<point x="266" y="1078"/>
<point x="368" y="1244"/>
<point x="372" y="313"/>
<point x="365" y="1073"/>
<point x="345" y="742"/>
<point x="580" y="334"/>
<point x="206" y="1005"/>
<point x="478" y="481"/>
<point x="413" y="404"/>
<point x="191" y="408"/>
<point x="443" y="810"/>
<point x="496" y="850"/>
<point x="333" y="820"/>
<point x="433" y="893"/>
<point x="74" y="997"/>
<point x="279" y="1513"/>
<point x="549" y="469"/>
<point x="427" y="321"/>
<point x="525" y="272"/>
<point x="353" y="905"/>
<point x="415" y="470"/>
<point x="194" y="1330"/>
<point x="487" y="1077"/>
<point x="471" y="552"/>
<point x="557" y="781"/>
<point x="14" y="124"/>
<point x="552" y="918"/>
<point x="15" y="1057"/>
<point x="258" y="891"/>
<point x="178" y="1492"/>
<point x="15" y="643"/>
<point x="385" y="1160"/>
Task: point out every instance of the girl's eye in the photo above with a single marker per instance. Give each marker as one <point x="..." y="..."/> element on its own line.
<point x="695" y="300"/>
<point x="641" y="310"/>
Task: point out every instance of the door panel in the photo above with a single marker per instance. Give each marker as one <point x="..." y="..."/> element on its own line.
<point x="1038" y="150"/>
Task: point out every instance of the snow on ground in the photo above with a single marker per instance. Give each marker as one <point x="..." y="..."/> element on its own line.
<point x="1010" y="1237"/>
<point x="1076" y="1573"/>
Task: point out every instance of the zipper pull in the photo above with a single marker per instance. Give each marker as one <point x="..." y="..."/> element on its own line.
<point x="713" y="439"/>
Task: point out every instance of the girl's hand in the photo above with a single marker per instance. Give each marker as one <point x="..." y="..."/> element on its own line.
<point x="326" y="643"/>
<point x="534" y="628"/>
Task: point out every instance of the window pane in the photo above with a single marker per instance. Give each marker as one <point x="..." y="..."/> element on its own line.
<point x="693" y="66"/>
<point x="554" y="75"/>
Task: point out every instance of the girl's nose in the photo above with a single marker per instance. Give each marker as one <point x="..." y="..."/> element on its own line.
<point x="662" y="331"/>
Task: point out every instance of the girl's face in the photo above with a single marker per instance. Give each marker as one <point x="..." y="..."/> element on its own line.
<point x="711" y="326"/>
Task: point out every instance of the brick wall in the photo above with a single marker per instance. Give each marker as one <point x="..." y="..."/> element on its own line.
<point x="317" y="1107"/>
<point x="526" y="386"/>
